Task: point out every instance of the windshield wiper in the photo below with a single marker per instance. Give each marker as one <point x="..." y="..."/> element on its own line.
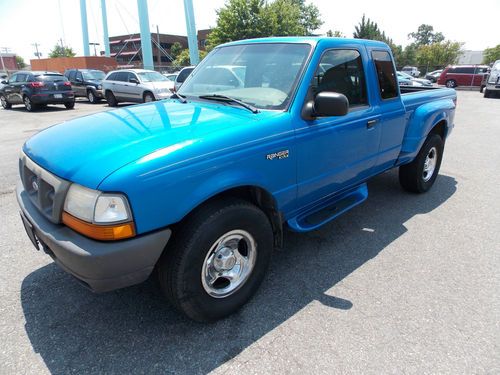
<point x="181" y="98"/>
<point x="225" y="98"/>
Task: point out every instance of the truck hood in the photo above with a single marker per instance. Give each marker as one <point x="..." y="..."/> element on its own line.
<point x="88" y="149"/>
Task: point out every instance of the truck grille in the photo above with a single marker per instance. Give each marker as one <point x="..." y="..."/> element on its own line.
<point x="45" y="190"/>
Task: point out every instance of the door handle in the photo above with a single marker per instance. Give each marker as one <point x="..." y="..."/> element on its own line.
<point x="371" y="123"/>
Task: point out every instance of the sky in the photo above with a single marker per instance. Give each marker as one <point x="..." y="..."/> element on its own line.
<point x="24" y="22"/>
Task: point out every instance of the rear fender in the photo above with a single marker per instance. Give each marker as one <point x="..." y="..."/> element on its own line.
<point x="422" y="121"/>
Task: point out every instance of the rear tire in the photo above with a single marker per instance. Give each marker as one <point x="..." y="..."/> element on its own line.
<point x="30" y="106"/>
<point x="451" y="83"/>
<point x="110" y="98"/>
<point x="419" y="175"/>
<point x="70" y="105"/>
<point x="224" y="237"/>
<point x="4" y="102"/>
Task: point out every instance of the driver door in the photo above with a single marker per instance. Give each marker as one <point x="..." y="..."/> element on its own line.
<point x="337" y="152"/>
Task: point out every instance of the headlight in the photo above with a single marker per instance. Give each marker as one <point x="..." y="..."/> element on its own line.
<point x="98" y="215"/>
<point x="99" y="87"/>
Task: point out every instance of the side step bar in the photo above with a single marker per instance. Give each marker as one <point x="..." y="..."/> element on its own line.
<point x="329" y="209"/>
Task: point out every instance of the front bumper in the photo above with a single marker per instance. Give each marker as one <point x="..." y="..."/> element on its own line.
<point x="98" y="93"/>
<point x="493" y="86"/>
<point x="101" y="266"/>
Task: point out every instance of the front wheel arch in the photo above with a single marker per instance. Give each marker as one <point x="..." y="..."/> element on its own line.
<point x="256" y="195"/>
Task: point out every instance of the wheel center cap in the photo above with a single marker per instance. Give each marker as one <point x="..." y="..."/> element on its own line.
<point x="224" y="259"/>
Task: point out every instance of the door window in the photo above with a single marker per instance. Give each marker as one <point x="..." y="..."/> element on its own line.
<point x="386" y="74"/>
<point x="13" y="78"/>
<point x="72" y="75"/>
<point x="121" y="76"/>
<point x="79" y="76"/>
<point x="341" y="71"/>
<point x="21" y="77"/>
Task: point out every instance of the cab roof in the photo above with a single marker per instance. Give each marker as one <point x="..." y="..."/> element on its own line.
<point x="312" y="40"/>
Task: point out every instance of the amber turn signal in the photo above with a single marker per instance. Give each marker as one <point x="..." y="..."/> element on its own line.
<point x="99" y="232"/>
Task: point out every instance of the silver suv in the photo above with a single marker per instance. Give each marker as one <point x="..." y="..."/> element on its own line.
<point x="135" y="85"/>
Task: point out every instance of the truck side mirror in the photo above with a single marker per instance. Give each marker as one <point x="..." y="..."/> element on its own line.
<point x="326" y="104"/>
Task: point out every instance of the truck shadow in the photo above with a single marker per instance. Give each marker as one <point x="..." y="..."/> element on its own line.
<point x="135" y="331"/>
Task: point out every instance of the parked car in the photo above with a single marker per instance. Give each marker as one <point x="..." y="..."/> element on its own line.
<point x="171" y="76"/>
<point x="434" y="75"/>
<point x="462" y="75"/>
<point x="36" y="89"/>
<point x="86" y="83"/>
<point x="181" y="77"/>
<point x="411" y="70"/>
<point x="493" y="81"/>
<point x="3" y="77"/>
<point x="136" y="85"/>
<point x="200" y="187"/>
<point x="407" y="80"/>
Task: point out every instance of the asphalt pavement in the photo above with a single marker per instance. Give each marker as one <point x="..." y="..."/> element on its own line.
<point x="402" y="284"/>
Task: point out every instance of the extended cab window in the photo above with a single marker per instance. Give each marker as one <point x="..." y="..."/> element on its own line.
<point x="386" y="74"/>
<point x="341" y="71"/>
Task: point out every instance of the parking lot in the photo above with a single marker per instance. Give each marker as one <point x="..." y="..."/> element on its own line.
<point x="401" y="284"/>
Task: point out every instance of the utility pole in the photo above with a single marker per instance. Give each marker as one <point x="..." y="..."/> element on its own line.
<point x="85" y="29"/>
<point x="94" y="44"/>
<point x="191" y="32"/>
<point x="158" y="57"/>
<point x="37" y="54"/>
<point x="147" y="51"/>
<point x="105" y="28"/>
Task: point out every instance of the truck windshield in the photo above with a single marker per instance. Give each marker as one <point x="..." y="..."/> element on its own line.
<point x="263" y="75"/>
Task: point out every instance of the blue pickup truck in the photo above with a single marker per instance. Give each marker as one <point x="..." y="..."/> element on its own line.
<point x="265" y="135"/>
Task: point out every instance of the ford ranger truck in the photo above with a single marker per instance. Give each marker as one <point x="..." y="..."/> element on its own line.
<point x="264" y="135"/>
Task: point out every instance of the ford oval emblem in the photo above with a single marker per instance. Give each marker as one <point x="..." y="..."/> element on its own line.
<point x="34" y="184"/>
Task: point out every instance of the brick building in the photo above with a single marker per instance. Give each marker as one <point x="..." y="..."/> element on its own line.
<point x="126" y="49"/>
<point x="9" y="62"/>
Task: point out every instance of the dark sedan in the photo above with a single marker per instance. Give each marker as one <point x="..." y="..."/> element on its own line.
<point x="36" y="89"/>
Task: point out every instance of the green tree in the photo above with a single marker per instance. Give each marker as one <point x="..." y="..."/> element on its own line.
<point x="59" y="51"/>
<point x="366" y="29"/>
<point x="245" y="19"/>
<point x="176" y="49"/>
<point x="408" y="55"/>
<point x="491" y="54"/>
<point x="20" y="62"/>
<point x="439" y="54"/>
<point x="335" y="33"/>
<point x="425" y="35"/>
<point x="183" y="59"/>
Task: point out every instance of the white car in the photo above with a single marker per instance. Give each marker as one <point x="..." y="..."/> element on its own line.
<point x="411" y="70"/>
<point x="136" y="85"/>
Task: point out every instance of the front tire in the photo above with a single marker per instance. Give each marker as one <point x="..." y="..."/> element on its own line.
<point x="419" y="175"/>
<point x="148" y="97"/>
<point x="4" y="102"/>
<point x="111" y="99"/>
<point x="217" y="259"/>
<point x="92" y="98"/>
<point x="451" y="83"/>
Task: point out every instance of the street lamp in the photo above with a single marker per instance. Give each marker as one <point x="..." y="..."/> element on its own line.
<point x="94" y="44"/>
